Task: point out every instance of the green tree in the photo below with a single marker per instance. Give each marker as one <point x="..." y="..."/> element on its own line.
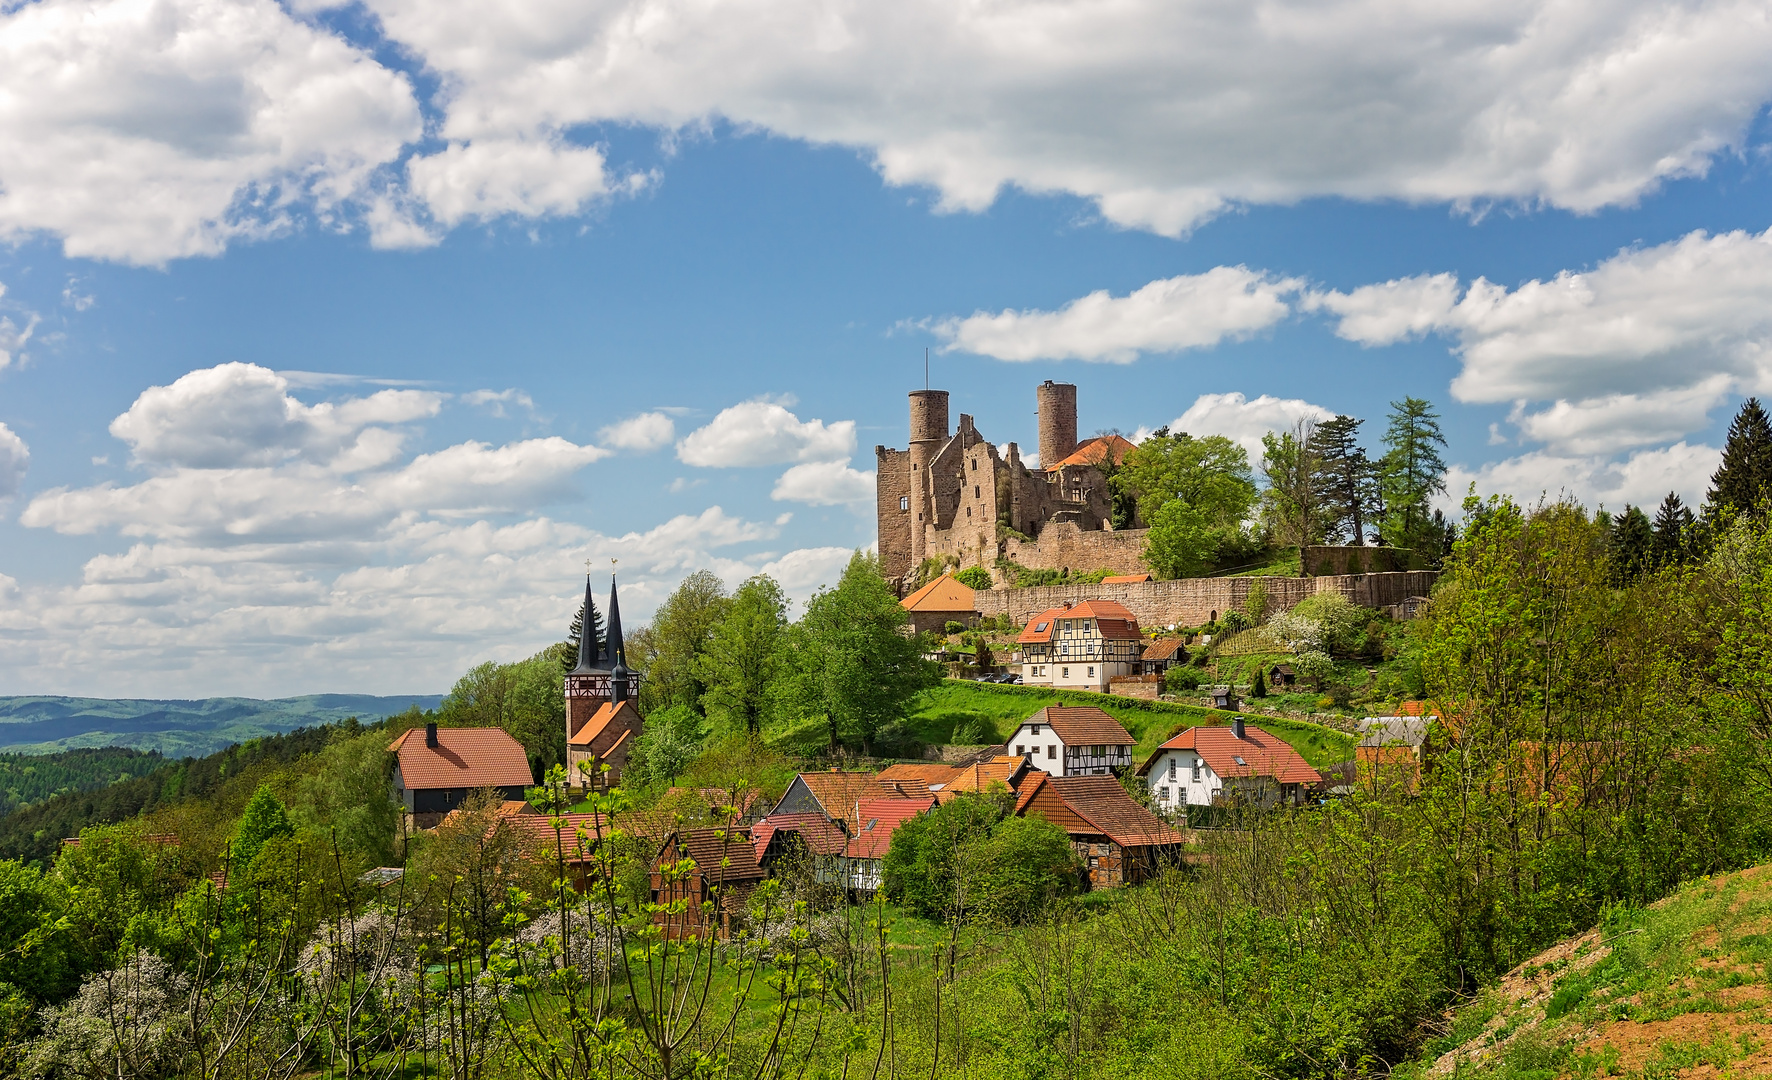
<point x="1410" y="474"/>
<point x="1180" y="543"/>
<point x="1259" y="689"/>
<point x="854" y="666"/>
<point x="743" y="663"/>
<point x="1289" y="505"/>
<point x="975" y="577"/>
<point x="936" y="864"/>
<point x="680" y="634"/>
<point x="1673" y="532"/>
<point x="1345" y="480"/>
<point x="1745" y="476"/>
<point x="265" y="819"/>
<point x="526" y="699"/>
<point x="1027" y="862"/>
<point x="568" y="651"/>
<point x="670" y="741"/>
<point x="1210" y="474"/>
<point x="1631" y="545"/>
<point x="32" y="953"/>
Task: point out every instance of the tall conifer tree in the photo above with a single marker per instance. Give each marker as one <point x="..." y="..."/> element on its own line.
<point x="569" y="654"/>
<point x="1673" y="524"/>
<point x="1745" y="476"/>
<point x="1632" y="545"/>
<point x="1346" y="480"/>
<point x="1411" y="473"/>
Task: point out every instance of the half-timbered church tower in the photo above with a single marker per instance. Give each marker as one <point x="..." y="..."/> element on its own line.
<point x="602" y="717"/>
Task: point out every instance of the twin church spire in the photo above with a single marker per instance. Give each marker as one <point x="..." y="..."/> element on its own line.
<point x="607" y="659"/>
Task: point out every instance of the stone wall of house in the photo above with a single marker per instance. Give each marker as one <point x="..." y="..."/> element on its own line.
<point x="1196" y="601"/>
<point x="1062" y="545"/>
<point x="1322" y="560"/>
<point x="1148" y="687"/>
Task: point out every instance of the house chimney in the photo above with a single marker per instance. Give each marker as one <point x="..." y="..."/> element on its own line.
<point x="431" y="735"/>
<point x="1237" y="726"/>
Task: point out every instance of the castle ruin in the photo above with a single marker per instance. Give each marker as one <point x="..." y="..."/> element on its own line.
<point x="956" y="496"/>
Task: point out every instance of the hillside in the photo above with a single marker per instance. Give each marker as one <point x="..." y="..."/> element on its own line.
<point x="43" y="725"/>
<point x="969" y="712"/>
<point x="1676" y="989"/>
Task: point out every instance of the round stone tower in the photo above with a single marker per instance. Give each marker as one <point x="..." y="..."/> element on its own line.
<point x="929" y="429"/>
<point x="1058" y="421"/>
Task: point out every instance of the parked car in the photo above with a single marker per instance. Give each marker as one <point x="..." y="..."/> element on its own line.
<point x="1010" y="678"/>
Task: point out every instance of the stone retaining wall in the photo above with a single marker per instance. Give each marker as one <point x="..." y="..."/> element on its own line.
<point x="1196" y="601"/>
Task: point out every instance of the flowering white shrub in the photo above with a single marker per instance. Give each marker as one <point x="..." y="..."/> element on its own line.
<point x="123" y="1022"/>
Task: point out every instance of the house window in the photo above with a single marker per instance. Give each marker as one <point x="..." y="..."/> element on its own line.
<point x="1065" y="674"/>
<point x="1164" y="793"/>
<point x="1020" y="750"/>
<point x="1196" y="770"/>
<point x="1051" y="751"/>
<point x="1172" y="768"/>
<point x="904" y="502"/>
<point x="1092" y="673"/>
<point x="1036" y="729"/>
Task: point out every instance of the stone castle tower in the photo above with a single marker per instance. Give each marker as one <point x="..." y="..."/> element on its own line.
<point x="954" y="496"/>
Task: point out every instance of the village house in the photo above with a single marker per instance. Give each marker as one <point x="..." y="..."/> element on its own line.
<point x="833" y="794"/>
<point x="717" y="888"/>
<point x="1073" y="741"/>
<point x="938" y="603"/>
<point x="810" y="840"/>
<point x="1204" y="766"/>
<point x="1117" y="841"/>
<point x="864" y="856"/>
<point x="1162" y="654"/>
<point x="436" y="769"/>
<point x="1081" y="647"/>
<point x="945" y="782"/>
<point x="602" y="718"/>
<point x="1392" y="751"/>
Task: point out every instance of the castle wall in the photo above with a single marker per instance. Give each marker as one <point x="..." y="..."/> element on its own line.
<point x="892" y="472"/>
<point x="1062" y="545"/>
<point x="1196" y="601"/>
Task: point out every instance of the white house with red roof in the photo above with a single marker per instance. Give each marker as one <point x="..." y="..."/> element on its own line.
<point x="864" y="856"/>
<point x="1080" y="647"/>
<point x="1075" y="741"/>
<point x="1207" y="765"/>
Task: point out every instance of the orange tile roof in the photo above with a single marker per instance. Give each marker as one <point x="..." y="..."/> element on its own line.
<point x="1126" y="579"/>
<point x="1094" y="451"/>
<point x="1083" y="725"/>
<point x="721" y="855"/>
<point x="462" y="758"/>
<point x="1165" y="649"/>
<point x="838" y="792"/>
<point x="942" y="594"/>
<point x="1101" y="801"/>
<point x="1112" y="620"/>
<point x="602" y="718"/>
<point x="876" y="820"/>
<point x="821" y="837"/>
<point x="1263" y="754"/>
<point x="982" y="776"/>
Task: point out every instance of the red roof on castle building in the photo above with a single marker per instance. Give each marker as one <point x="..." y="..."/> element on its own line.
<point x="942" y="594"/>
<point x="1095" y="451"/>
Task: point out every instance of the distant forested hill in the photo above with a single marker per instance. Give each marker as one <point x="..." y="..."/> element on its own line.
<point x="177" y="729"/>
<point x="26" y="779"/>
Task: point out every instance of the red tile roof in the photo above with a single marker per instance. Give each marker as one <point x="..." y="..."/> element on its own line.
<point x="838" y="792"/>
<point x="1083" y="725"/>
<point x="982" y="776"/>
<point x="721" y="855"/>
<point x="820" y="835"/>
<point x="1093" y="451"/>
<point x="942" y="594"/>
<point x="1125" y="579"/>
<point x="602" y="718"/>
<point x="877" y="820"/>
<point x="1164" y="649"/>
<point x="462" y="758"/>
<point x="1101" y="801"/>
<point x="1093" y="806"/>
<point x="1263" y="754"/>
<point x="1112" y="620"/>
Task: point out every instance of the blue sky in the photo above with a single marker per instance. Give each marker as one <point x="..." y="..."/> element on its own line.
<point x="322" y="323"/>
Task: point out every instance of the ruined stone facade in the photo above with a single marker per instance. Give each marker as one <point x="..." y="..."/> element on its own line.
<point x="958" y="495"/>
<point x="1197" y="601"/>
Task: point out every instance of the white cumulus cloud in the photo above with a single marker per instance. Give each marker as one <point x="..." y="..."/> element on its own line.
<point x="1192" y="311"/>
<point x="1642" y="478"/>
<point x="148" y="130"/>
<point x="15" y="460"/>
<point x="1162" y="112"/>
<point x="764" y="432"/>
<point x="1245" y="421"/>
<point x="643" y="432"/>
<point x="824" y="483"/>
<point x="239" y="414"/>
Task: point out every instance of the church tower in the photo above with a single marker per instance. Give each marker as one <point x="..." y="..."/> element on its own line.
<point x="602" y="714"/>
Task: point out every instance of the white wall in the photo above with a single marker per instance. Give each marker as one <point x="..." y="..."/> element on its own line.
<point x="1045" y="751"/>
<point x="1198" y="792"/>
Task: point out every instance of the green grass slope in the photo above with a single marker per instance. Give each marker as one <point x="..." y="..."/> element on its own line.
<point x="1678" y="989"/>
<point x="43" y="725"/>
<point x="999" y="709"/>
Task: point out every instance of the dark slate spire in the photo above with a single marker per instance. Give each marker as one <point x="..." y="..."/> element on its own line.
<point x="587" y="638"/>
<point x="617" y="649"/>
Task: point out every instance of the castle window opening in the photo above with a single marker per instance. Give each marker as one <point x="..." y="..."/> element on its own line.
<point x="904" y="502"/>
<point x="975" y="494"/>
<point x="974" y="464"/>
